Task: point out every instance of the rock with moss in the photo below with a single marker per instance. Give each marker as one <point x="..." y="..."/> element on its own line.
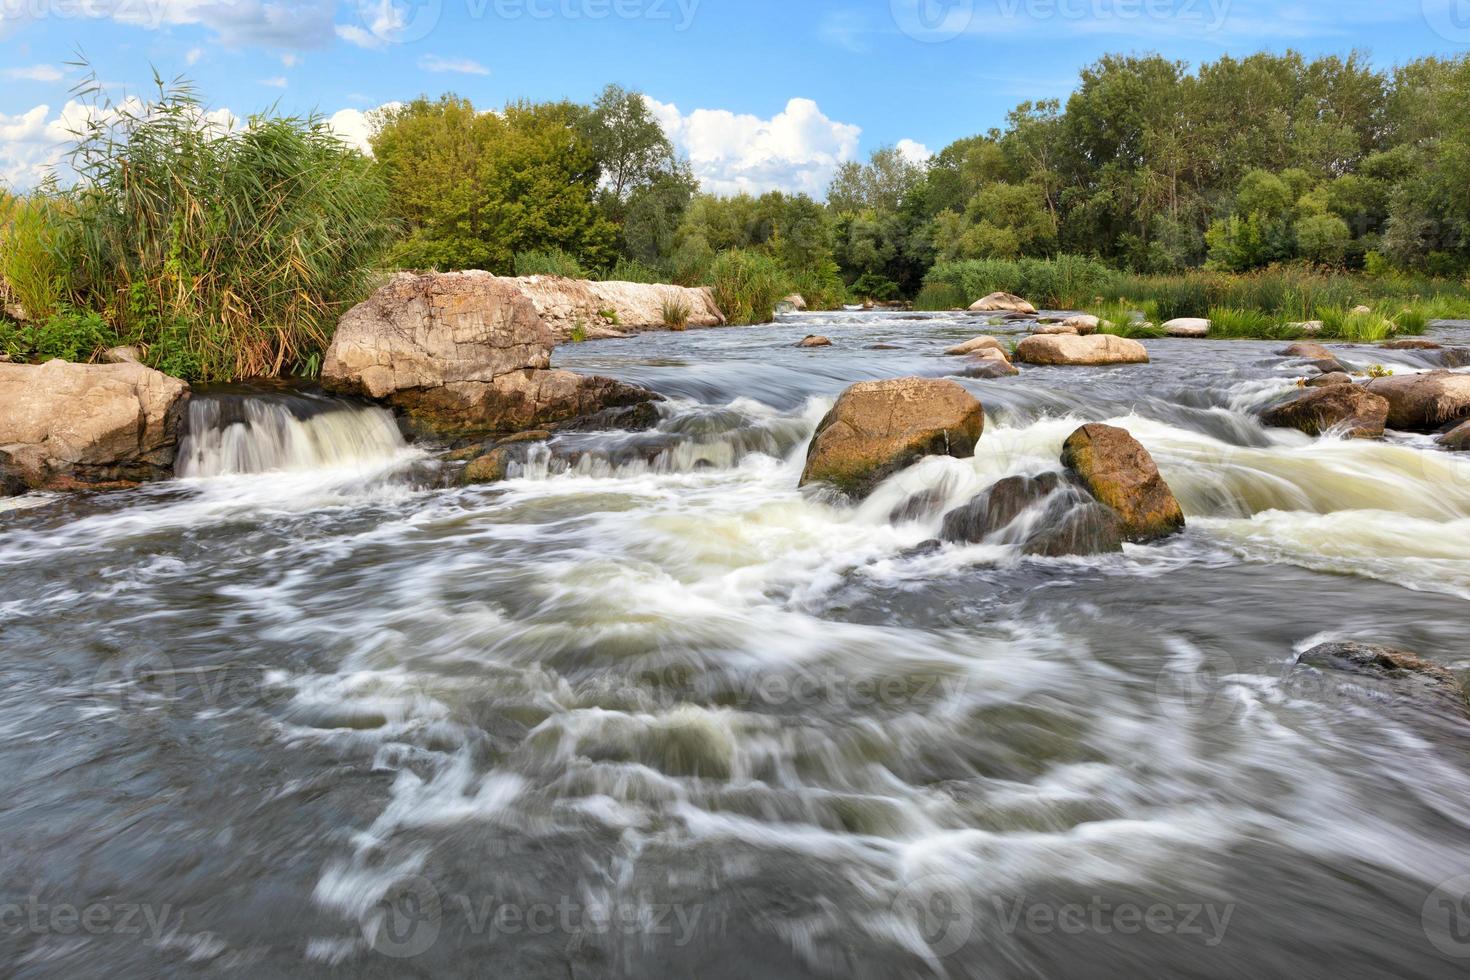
<point x="877" y="428"/>
<point x="1115" y="468"/>
<point x="1356" y="412"/>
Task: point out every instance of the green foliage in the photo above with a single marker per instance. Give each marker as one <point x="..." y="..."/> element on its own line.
<point x="552" y="262"/>
<point x="872" y="286"/>
<point x="675" y="314"/>
<point x="67" y="334"/>
<point x="629" y="270"/>
<point x="224" y="254"/>
<point x="1343" y="324"/>
<point x="747" y="285"/>
<point x="1125" y="318"/>
<point x="1227" y="322"/>
<point x="579" y="332"/>
<point x="1065" y="282"/>
<point x="940" y="296"/>
<point x="32" y="270"/>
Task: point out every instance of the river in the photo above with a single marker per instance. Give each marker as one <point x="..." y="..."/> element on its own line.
<point x="312" y="709"/>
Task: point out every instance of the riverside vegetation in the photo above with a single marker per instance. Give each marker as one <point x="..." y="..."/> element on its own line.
<point x="230" y="253"/>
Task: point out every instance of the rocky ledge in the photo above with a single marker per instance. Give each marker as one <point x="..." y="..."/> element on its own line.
<point x="67" y="426"/>
<point x="465" y="353"/>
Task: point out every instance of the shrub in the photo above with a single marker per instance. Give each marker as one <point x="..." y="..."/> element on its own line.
<point x="747" y="285"/>
<point x="31" y="271"/>
<point x="870" y="285"/>
<point x="675" y="314"/>
<point x="822" y="287"/>
<point x="552" y="262"/>
<point x="229" y="254"/>
<point x="941" y="296"/>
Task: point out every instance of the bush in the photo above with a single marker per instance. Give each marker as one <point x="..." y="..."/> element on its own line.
<point x="873" y="286"/>
<point x="229" y="255"/>
<point x="941" y="296"/>
<point x="675" y="314"/>
<point x="1064" y="282"/>
<point x="628" y="270"/>
<point x="822" y="287"/>
<point x="747" y="285"/>
<point x="552" y="262"/>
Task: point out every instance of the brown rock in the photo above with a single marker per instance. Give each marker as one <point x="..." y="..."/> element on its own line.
<point x="1457" y="438"/>
<point x="1330" y="379"/>
<point x="977" y="345"/>
<point x="877" y="428"/>
<point x="1055" y="330"/>
<point x="998" y="507"/>
<point x="1410" y="343"/>
<point x="1424" y="402"/>
<point x="122" y="355"/>
<point x="1120" y="473"/>
<point x="1083" y="323"/>
<point x="65" y="424"/>
<point x="1361" y="412"/>
<point x="1308" y="351"/>
<point x="814" y="341"/>
<point x="426" y="331"/>
<point x="520" y="400"/>
<point x="1081" y="351"/>
<point x="1406" y="670"/>
<point x="1002" y="302"/>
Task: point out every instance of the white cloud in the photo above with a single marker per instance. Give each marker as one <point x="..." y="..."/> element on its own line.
<point x="352" y="126"/>
<point x="353" y="34"/>
<point x="36" y="73"/>
<point x="846" y="29"/>
<point x="193" y="55"/>
<point x="274" y="23"/>
<point x="290" y="60"/>
<point x="278" y="81"/>
<point x="462" y="66"/>
<point x="797" y="150"/>
<point x="914" y="152"/>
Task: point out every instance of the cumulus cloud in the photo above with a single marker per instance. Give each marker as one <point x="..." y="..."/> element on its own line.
<point x="276" y="81"/>
<point x="352" y="126"/>
<point x="797" y="150"/>
<point x="460" y="66"/>
<point x="913" y="151"/>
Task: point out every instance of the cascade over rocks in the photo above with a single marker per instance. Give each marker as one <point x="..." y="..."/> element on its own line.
<point x="877" y="428"/>
<point x="1315" y="412"/>
<point x="63" y="425"/>
<point x="463" y="352"/>
<point x="1078" y="351"/>
<point x="1457" y="438"/>
<point x="1116" y="469"/>
<point x="1424" y="402"/>
<point x="1060" y="518"/>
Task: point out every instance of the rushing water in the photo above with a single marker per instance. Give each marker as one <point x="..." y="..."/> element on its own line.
<point x="648" y="710"/>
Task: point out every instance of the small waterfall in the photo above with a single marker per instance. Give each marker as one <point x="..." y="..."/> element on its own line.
<point x="261" y="432"/>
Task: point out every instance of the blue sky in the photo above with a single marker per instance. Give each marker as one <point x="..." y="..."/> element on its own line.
<point x="759" y="93"/>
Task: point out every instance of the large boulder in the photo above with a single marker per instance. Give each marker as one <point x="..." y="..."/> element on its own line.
<point x="1359" y="412"/>
<point x="64" y="424"/>
<point x="1120" y="473"/>
<point x="1424" y="402"/>
<point x="877" y="428"/>
<point x="976" y="345"/>
<point x="580" y="307"/>
<point x="1002" y="303"/>
<point x="1192" y="328"/>
<point x="463" y="352"/>
<point x="1070" y="350"/>
<point x="425" y="331"/>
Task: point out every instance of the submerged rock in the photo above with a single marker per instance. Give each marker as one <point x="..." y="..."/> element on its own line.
<point x="988" y="363"/>
<point x="63" y="424"/>
<point x="1424" y="402"/>
<point x="1067" y="350"/>
<point x="977" y="345"/>
<point x="1002" y="303"/>
<point x="1193" y="328"/>
<point x="1407" y="671"/>
<point x="1116" y="469"/>
<point x="1063" y="519"/>
<point x="1457" y="438"/>
<point x="877" y="428"/>
<point x="997" y="507"/>
<point x="814" y="341"/>
<point x="1361" y="412"/>
<point x="1411" y="343"/>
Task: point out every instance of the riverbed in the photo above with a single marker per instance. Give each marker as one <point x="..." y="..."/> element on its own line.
<point x="647" y="709"/>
